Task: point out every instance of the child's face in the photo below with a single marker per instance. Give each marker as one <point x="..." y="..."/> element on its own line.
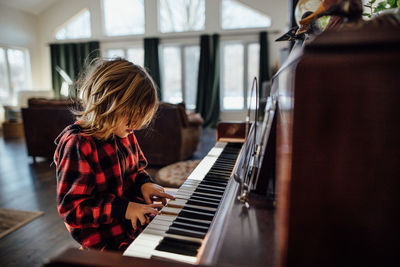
<point x="123" y="130"/>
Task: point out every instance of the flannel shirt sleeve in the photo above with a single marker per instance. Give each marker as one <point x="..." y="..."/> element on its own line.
<point x="77" y="202"/>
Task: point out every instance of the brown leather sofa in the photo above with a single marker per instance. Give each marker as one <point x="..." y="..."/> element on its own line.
<point x="172" y="136"/>
<point x="43" y="120"/>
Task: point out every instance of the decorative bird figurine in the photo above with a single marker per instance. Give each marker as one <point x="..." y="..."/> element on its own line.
<point x="310" y="29"/>
<point x="348" y="11"/>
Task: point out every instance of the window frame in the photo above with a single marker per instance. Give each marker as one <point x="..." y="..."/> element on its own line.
<point x="181" y="44"/>
<point x="79" y="13"/>
<point x="11" y="99"/>
<point x="246" y="42"/>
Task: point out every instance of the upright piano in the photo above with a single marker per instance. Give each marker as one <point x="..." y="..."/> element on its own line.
<point x="332" y="147"/>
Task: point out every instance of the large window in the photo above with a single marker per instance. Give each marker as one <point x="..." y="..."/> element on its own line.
<point x="77" y="27"/>
<point x="123" y="17"/>
<point x="181" y="15"/>
<point x="133" y="54"/>
<point x="14" y="73"/>
<point x="179" y="73"/>
<point x="236" y="15"/>
<point x="240" y="63"/>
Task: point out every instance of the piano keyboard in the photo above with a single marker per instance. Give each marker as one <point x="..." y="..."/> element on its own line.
<point x="178" y="232"/>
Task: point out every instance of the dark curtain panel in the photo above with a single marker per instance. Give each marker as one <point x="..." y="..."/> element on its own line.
<point x="207" y="101"/>
<point x="152" y="62"/>
<point x="264" y="59"/>
<point x="72" y="58"/>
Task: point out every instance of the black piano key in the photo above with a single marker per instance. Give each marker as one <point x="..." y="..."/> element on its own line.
<point x="192" y="221"/>
<point x="205" y="195"/>
<point x="214" y="188"/>
<point x="198" y="209"/>
<point x="203" y="198"/>
<point x="208" y="191"/>
<point x="179" y="246"/>
<point x="188" y="226"/>
<point x="195" y="215"/>
<point x="214" y="183"/>
<point x="185" y="232"/>
<point x="202" y="203"/>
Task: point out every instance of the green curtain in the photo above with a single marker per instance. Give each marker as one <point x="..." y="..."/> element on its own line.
<point x="72" y="58"/>
<point x="152" y="62"/>
<point x="208" y="98"/>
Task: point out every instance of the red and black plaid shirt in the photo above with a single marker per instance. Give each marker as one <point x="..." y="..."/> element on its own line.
<point x="95" y="181"/>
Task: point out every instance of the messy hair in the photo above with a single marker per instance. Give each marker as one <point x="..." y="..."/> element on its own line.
<point x="113" y="91"/>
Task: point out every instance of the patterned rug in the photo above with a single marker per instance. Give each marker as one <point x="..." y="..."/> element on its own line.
<point x="174" y="175"/>
<point x="11" y="220"/>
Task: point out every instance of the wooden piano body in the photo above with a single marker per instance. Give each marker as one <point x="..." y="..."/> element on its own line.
<point x="337" y="165"/>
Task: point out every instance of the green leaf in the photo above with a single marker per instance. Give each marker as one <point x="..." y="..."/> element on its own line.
<point x="381" y="6"/>
<point x="372" y="1"/>
<point x="398" y="3"/>
<point x="391" y="2"/>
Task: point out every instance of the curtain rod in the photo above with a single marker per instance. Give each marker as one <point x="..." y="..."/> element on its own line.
<point x="166" y="37"/>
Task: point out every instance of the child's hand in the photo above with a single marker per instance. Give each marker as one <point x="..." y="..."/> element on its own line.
<point x="136" y="211"/>
<point x="152" y="191"/>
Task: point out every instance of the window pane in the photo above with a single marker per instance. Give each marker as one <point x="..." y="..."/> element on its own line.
<point x="192" y="56"/>
<point x="252" y="70"/>
<point x="4" y="91"/>
<point x="172" y="78"/>
<point x="79" y="27"/>
<point x="114" y="53"/>
<point x="233" y="76"/>
<point x="16" y="59"/>
<point x="181" y="15"/>
<point x="238" y="16"/>
<point x="136" y="55"/>
<point x="123" y="17"/>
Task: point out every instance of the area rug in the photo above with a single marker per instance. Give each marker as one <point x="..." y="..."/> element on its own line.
<point x="11" y="220"/>
<point x="174" y="175"/>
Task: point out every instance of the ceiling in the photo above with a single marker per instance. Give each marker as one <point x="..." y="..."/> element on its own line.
<point x="34" y="7"/>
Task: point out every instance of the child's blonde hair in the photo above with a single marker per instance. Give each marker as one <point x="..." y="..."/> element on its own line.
<point x="114" y="91"/>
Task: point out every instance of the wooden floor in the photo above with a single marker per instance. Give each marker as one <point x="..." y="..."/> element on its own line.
<point x="28" y="186"/>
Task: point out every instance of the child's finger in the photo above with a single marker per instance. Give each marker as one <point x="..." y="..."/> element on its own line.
<point x="157" y="206"/>
<point x="151" y="211"/>
<point x="142" y="219"/>
<point x="165" y="195"/>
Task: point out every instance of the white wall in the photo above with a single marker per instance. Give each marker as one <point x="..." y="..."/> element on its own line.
<point x="20" y="29"/>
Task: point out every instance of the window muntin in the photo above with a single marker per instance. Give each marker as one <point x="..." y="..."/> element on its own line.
<point x="123" y="17"/>
<point x="233" y="70"/>
<point x="238" y="16"/>
<point x="181" y="15"/>
<point x="78" y="27"/>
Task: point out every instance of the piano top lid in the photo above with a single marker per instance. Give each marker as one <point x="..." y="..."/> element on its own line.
<point x="350" y="40"/>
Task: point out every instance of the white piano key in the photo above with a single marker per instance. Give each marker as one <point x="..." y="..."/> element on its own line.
<point x="168" y="210"/>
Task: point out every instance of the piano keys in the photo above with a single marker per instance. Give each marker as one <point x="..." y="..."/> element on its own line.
<point x="180" y="231"/>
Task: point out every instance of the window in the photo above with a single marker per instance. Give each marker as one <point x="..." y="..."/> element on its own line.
<point x="239" y="67"/>
<point x="133" y="54"/>
<point x="180" y="82"/>
<point x="181" y="15"/>
<point x="123" y="17"/>
<point x="77" y="27"/>
<point x="14" y="73"/>
<point x="239" y="16"/>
